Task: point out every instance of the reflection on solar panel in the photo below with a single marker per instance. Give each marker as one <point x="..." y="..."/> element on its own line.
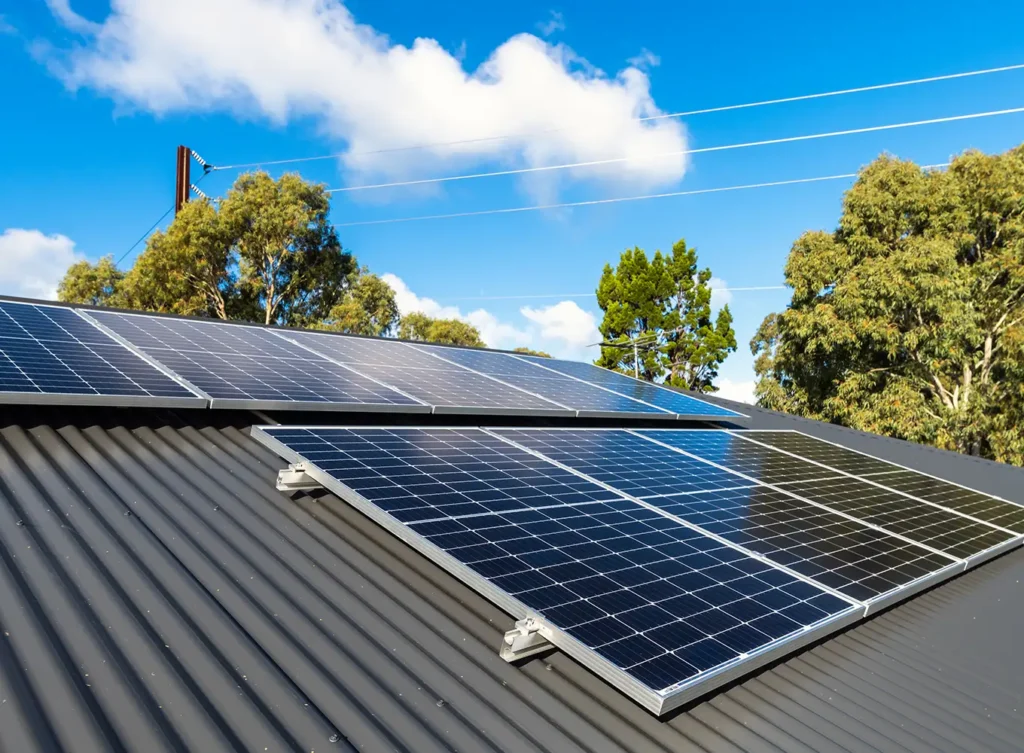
<point x="844" y="554"/>
<point x="683" y="405"/>
<point x="946" y="516"/>
<point x="920" y="522"/>
<point x="654" y="606"/>
<point x="51" y="354"/>
<point x="994" y="511"/>
<point x="252" y="367"/>
<point x="447" y="386"/>
<point x="587" y="399"/>
<point x="983" y="507"/>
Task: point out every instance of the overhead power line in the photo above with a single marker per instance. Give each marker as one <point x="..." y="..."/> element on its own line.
<point x="593" y="295"/>
<point x="678" y="152"/>
<point x="663" y="116"/>
<point x="193" y="187"/>
<point x="616" y="200"/>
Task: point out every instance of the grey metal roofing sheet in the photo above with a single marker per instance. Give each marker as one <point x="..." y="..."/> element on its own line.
<point x="158" y="594"/>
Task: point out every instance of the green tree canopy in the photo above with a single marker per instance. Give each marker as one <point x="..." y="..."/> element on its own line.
<point x="418" y="326"/>
<point x="367" y="308"/>
<point x="663" y="304"/>
<point x="908" y="320"/>
<point x="267" y="254"/>
<point x="90" y="284"/>
<point x="528" y="352"/>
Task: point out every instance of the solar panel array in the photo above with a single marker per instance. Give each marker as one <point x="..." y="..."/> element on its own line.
<point x="51" y="354"/>
<point x="666" y="560"/>
<point x="656" y="599"/>
<point x="152" y="359"/>
<point x="251" y="367"/>
<point x="448" y="387"/>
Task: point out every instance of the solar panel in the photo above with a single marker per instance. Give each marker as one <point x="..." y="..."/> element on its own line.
<point x="587" y="399"/>
<point x="994" y="511"/>
<point x="984" y="507"/>
<point x="682" y="405"/>
<point x="957" y="519"/>
<point x="446" y="386"/>
<point x="251" y="367"/>
<point x="50" y="354"/>
<point x="844" y="554"/>
<point x="654" y="606"/>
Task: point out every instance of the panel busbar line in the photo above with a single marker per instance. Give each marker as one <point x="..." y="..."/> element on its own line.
<point x="588" y="400"/>
<point x="856" y="559"/>
<point x="52" y="355"/>
<point x="655" y="607"/>
<point x="956" y="497"/>
<point x="684" y="406"/>
<point x="914" y="520"/>
<point x="448" y="387"/>
<point x="240" y="366"/>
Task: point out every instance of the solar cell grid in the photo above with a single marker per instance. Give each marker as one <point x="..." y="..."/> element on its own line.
<point x="920" y="522"/>
<point x="236" y="364"/>
<point x="994" y="511"/>
<point x="49" y="350"/>
<point x="845" y="555"/>
<point x="625" y="461"/>
<point x="634" y="388"/>
<point x="660" y="601"/>
<point x="915" y="488"/>
<point x="357" y="350"/>
<point x="839" y="458"/>
<point x="564" y="390"/>
<point x="416" y="474"/>
<point x="425" y="377"/>
<point x="656" y="599"/>
<point x="766" y="465"/>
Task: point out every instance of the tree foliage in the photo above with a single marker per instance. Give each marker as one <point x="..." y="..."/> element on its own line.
<point x="418" y="326"/>
<point x="908" y="320"/>
<point x="267" y="254"/>
<point x="529" y="352"/>
<point x="90" y="284"/>
<point x="367" y="308"/>
<point x="291" y="265"/>
<point x="663" y="304"/>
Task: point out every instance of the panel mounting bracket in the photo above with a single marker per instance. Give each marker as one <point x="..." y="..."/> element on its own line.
<point x="529" y="637"/>
<point x="294" y="478"/>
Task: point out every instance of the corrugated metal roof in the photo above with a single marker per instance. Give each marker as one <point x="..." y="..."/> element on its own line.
<point x="158" y="594"/>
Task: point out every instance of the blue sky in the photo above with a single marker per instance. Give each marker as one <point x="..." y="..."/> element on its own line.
<point x="98" y="95"/>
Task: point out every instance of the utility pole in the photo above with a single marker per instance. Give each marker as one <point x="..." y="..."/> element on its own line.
<point x="182" y="184"/>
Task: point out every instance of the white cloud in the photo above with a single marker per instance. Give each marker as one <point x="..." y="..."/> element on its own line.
<point x="567" y="323"/>
<point x="742" y="392"/>
<point x="720" y="293"/>
<point x="32" y="263"/>
<point x="645" y="60"/>
<point x="555" y="22"/>
<point x="563" y="329"/>
<point x="288" y="59"/>
<point x="6" y="27"/>
<point x="61" y="9"/>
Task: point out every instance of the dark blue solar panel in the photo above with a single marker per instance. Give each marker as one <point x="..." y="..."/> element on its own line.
<point x="252" y="366"/>
<point x="662" y="602"/>
<point x="566" y="391"/>
<point x="994" y="511"/>
<point x="860" y="561"/>
<point x="917" y="521"/>
<point x="432" y="380"/>
<point x="683" y="405"/>
<point x="50" y="350"/>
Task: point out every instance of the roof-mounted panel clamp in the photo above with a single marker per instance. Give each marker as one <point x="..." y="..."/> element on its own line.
<point x="528" y="638"/>
<point x="294" y="478"/>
